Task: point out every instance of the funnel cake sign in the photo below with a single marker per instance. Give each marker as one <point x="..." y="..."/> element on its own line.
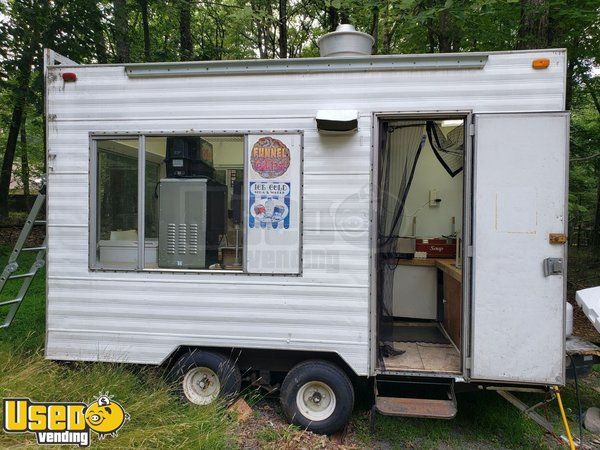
<point x="270" y="157"/>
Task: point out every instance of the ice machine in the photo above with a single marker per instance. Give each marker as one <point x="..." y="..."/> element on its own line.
<point x="192" y="218"/>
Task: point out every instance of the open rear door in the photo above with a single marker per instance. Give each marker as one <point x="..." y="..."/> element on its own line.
<point x="518" y="291"/>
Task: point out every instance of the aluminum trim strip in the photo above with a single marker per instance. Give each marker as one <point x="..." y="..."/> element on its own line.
<point x="309" y="65"/>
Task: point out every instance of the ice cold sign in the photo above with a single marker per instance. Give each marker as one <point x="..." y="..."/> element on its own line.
<point x="269" y="205"/>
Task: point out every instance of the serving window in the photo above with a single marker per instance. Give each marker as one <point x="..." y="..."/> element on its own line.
<point x="194" y="202"/>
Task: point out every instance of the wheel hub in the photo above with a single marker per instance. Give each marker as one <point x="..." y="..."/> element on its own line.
<point x="316" y="400"/>
<point x="201" y="385"/>
<point x="204" y="383"/>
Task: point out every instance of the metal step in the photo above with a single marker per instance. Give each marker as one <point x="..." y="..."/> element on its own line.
<point x="416" y="407"/>
<point x="10" y="302"/>
<point x="33" y="249"/>
<point x="423" y="397"/>
<point x="21" y="275"/>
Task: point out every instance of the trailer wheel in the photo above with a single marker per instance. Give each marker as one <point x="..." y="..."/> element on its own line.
<point x="318" y="396"/>
<point x="203" y="376"/>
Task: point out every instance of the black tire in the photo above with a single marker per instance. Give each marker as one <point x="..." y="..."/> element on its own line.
<point x="227" y="372"/>
<point x="324" y="372"/>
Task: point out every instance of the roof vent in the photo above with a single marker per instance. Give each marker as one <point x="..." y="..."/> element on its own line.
<point x="345" y="41"/>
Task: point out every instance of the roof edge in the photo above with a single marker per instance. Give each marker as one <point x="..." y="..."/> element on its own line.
<point x="423" y="61"/>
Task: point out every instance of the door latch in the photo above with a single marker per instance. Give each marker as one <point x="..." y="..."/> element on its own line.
<point x="557" y="238"/>
<point x="553" y="266"/>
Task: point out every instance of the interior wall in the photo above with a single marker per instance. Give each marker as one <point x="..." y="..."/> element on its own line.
<point x="432" y="221"/>
<point x="228" y="151"/>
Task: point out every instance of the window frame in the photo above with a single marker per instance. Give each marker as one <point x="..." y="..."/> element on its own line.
<point x="94" y="264"/>
<point x="94" y="137"/>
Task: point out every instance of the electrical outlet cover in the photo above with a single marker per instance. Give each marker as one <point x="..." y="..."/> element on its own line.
<point x="433" y="196"/>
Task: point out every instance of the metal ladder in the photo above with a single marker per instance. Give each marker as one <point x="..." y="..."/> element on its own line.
<point x="12" y="266"/>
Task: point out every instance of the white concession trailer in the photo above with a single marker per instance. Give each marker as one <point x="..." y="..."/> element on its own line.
<point x="398" y="219"/>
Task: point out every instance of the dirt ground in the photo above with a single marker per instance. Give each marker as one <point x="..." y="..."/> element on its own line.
<point x="583" y="272"/>
<point x="582" y="326"/>
<point x="266" y="428"/>
<point x="9" y="235"/>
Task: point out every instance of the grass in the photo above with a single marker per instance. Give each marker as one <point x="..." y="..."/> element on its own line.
<point x="160" y="420"/>
<point x="270" y="434"/>
<point x="484" y="420"/>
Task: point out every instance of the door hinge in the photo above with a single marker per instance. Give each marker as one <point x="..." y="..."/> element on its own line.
<point x="469" y="251"/>
<point x="51" y="160"/>
<point x="468" y="363"/>
<point x="472" y="129"/>
<point x="553" y="266"/>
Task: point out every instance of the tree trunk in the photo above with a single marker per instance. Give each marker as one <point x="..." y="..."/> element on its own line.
<point x="25" y="162"/>
<point x="570" y="82"/>
<point x="444" y="32"/>
<point x="262" y="32"/>
<point x="186" y="47"/>
<point x="388" y="34"/>
<point x="596" y="101"/>
<point x="592" y="93"/>
<point x="596" y="235"/>
<point x="533" y="26"/>
<point x="121" y="30"/>
<point x="334" y="18"/>
<point x="375" y="25"/>
<point x="146" y="29"/>
<point x="283" y="29"/>
<point x="9" y="157"/>
<point x="20" y="100"/>
<point x="344" y="16"/>
<point x="98" y="36"/>
<point x="431" y="41"/>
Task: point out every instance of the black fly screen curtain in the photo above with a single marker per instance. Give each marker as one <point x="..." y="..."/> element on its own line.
<point x="400" y="145"/>
<point x="450" y="149"/>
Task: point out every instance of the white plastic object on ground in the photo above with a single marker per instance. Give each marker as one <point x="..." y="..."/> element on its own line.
<point x="569" y="320"/>
<point x="589" y="300"/>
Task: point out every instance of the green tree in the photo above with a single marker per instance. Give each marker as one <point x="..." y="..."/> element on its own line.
<point x="24" y="33"/>
<point x="149" y="30"/>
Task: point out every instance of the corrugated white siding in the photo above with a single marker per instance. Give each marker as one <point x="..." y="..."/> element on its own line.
<point x="142" y="317"/>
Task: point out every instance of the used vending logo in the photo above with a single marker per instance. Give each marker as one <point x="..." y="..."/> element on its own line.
<point x="64" y="422"/>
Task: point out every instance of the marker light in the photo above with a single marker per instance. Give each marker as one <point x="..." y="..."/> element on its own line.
<point x="541" y="63"/>
<point x="69" y="77"/>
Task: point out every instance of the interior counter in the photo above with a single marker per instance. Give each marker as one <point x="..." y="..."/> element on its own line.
<point x="445" y="265"/>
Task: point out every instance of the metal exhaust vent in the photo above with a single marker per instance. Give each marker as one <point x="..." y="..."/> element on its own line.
<point x="346" y="41"/>
<point x="337" y="121"/>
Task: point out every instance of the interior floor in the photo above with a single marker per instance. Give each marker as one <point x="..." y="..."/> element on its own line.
<point x="422" y="356"/>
